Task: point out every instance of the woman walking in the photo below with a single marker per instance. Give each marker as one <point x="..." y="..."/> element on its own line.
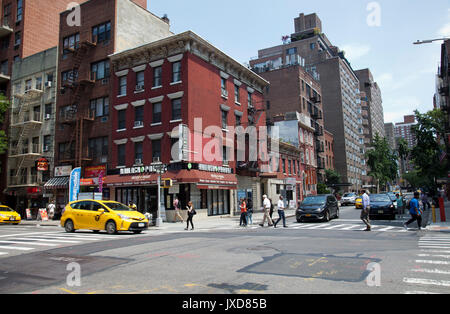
<point x="243" y="220"/>
<point x="191" y="213"/>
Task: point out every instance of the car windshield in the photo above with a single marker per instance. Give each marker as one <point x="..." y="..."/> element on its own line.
<point x="392" y="196"/>
<point x="315" y="200"/>
<point x="380" y="198"/>
<point x="119" y="207"/>
<point x="6" y="209"/>
<point x="349" y="194"/>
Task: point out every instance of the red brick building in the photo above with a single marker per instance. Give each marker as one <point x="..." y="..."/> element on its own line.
<point x="83" y="124"/>
<point x="182" y="81"/>
<point x="329" y="150"/>
<point x="26" y="28"/>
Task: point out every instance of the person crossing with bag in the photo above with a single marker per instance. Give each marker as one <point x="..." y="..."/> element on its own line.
<point x="415" y="211"/>
<point x="191" y="213"/>
<point x="281" y="208"/>
<point x="243" y="207"/>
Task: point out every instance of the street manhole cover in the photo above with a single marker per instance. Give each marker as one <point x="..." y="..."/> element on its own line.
<point x="351" y="269"/>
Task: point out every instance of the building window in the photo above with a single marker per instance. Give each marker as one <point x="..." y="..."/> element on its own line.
<point x="19" y="10"/>
<point x="98" y="147"/>
<point x="176" y="72"/>
<point x="6" y="14"/>
<point x="100" y="70"/>
<point x="47" y="143"/>
<point x="69" y="77"/>
<point x="70" y="43"/>
<point x="121" y="155"/>
<point x="4" y="67"/>
<point x="140" y="80"/>
<point x="224" y="119"/>
<point x="39" y="83"/>
<point x="237" y="94"/>
<point x="139" y="115"/>
<point x="28" y="85"/>
<point x="250" y="99"/>
<point x="176" y="109"/>
<point x="17" y="39"/>
<point x="138" y="153"/>
<point x="100" y="106"/>
<point x="157" y="77"/>
<point x="122" y="86"/>
<point x="101" y="33"/>
<point x="156" y="117"/>
<point x="156" y="149"/>
<point x="121" y="115"/>
<point x="238" y="120"/>
<point x="223" y="86"/>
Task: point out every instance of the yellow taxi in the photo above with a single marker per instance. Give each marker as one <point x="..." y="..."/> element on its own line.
<point x="358" y="202"/>
<point x="9" y="216"/>
<point x="102" y="215"/>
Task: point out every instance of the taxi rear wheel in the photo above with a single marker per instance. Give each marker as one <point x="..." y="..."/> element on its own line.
<point x="69" y="227"/>
<point x="111" y="227"/>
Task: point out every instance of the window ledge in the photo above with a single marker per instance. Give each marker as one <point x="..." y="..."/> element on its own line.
<point x="175" y="121"/>
<point x="156" y="87"/>
<point x="156" y="124"/>
<point x="121" y="130"/>
<point x="175" y="83"/>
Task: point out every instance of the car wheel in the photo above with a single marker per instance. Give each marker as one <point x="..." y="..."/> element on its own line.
<point x="111" y="227"/>
<point x="69" y="226"/>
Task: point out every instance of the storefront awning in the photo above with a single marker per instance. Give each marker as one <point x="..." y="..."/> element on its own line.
<point x="57" y="183"/>
<point x="201" y="178"/>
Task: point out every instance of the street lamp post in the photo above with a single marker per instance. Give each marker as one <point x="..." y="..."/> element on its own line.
<point x="429" y="41"/>
<point x="160" y="169"/>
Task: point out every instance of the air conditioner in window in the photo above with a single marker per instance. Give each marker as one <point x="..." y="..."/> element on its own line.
<point x="138" y="124"/>
<point x="104" y="159"/>
<point x="48" y="116"/>
<point x="140" y="87"/>
<point x="156" y="160"/>
<point x="48" y="84"/>
<point x="138" y="162"/>
<point x="46" y="148"/>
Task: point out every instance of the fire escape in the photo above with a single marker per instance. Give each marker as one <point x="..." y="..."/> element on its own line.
<point x="77" y="116"/>
<point x="26" y="122"/>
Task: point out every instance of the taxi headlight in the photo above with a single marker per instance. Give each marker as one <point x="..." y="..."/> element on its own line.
<point x="124" y="217"/>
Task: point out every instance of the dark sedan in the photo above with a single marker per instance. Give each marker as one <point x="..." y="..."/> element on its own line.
<point x="381" y="206"/>
<point x="318" y="207"/>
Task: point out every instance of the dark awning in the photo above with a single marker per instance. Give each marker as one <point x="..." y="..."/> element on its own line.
<point x="57" y="183"/>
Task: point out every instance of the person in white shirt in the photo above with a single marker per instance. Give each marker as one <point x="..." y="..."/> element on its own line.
<point x="366" y="210"/>
<point x="266" y="206"/>
<point x="281" y="208"/>
<point x="51" y="210"/>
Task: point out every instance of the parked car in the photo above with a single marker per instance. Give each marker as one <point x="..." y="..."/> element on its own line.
<point x="349" y="199"/>
<point x="9" y="216"/>
<point x="102" y="215"/>
<point x="319" y="207"/>
<point x="381" y="206"/>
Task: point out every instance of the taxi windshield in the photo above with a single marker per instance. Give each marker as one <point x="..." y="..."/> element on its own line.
<point x="6" y="209"/>
<point x="118" y="207"/>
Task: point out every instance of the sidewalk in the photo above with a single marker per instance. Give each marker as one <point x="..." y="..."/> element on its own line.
<point x="200" y="223"/>
<point x="439" y="225"/>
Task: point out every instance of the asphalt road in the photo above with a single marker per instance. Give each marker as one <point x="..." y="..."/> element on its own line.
<point x="335" y="257"/>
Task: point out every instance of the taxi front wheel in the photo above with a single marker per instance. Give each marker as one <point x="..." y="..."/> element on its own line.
<point x="111" y="227"/>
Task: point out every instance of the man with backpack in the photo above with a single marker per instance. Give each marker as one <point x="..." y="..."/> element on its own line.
<point x="415" y="211"/>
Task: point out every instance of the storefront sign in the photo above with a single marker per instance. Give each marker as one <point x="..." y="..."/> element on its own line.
<point x="94" y="172"/>
<point x="85" y="182"/>
<point x="138" y="170"/>
<point x="211" y="168"/>
<point x="43" y="214"/>
<point x="28" y="211"/>
<point x="74" y="184"/>
<point x="63" y="171"/>
<point x="42" y="164"/>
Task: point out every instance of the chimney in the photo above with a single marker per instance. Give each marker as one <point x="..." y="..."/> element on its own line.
<point x="165" y="19"/>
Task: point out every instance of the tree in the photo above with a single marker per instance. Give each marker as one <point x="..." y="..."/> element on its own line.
<point x="403" y="151"/>
<point x="426" y="155"/>
<point x="4" y="104"/>
<point x="382" y="162"/>
<point x="333" y="178"/>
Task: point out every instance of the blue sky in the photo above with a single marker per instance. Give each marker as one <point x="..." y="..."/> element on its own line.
<point x="405" y="72"/>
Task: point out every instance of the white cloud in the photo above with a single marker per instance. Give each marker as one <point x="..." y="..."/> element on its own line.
<point x="444" y="31"/>
<point x="355" y="51"/>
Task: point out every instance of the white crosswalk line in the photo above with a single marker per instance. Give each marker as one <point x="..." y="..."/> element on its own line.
<point x="432" y="262"/>
<point x="18" y="248"/>
<point x="352" y="227"/>
<point x="47" y="240"/>
<point x="431" y="271"/>
<point x="27" y="243"/>
<point x="420" y="292"/>
<point x="432" y="282"/>
<point x="386" y="228"/>
<point x="3" y="253"/>
<point x="431" y="255"/>
<point x="334" y="227"/>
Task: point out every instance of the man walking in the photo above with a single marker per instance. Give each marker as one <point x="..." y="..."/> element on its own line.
<point x="281" y="208"/>
<point x="415" y="212"/>
<point x="365" y="212"/>
<point x="176" y="206"/>
<point x="266" y="206"/>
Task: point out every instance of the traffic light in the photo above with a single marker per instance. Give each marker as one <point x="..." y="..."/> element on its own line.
<point x="167" y="183"/>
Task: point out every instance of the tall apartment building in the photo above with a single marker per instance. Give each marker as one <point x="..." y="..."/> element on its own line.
<point x="374" y="103"/>
<point x="27" y="27"/>
<point x="294" y="88"/>
<point x="340" y="93"/>
<point x="83" y="122"/>
<point x="403" y="130"/>
<point x="389" y="131"/>
<point x="32" y="128"/>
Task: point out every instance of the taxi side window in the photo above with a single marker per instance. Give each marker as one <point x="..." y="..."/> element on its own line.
<point x="84" y="206"/>
<point x="96" y="206"/>
<point x="76" y="205"/>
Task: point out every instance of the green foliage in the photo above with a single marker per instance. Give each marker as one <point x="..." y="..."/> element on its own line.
<point x="416" y="180"/>
<point x="426" y="154"/>
<point x="382" y="161"/>
<point x="4" y="104"/>
<point x="403" y="149"/>
<point x="322" y="189"/>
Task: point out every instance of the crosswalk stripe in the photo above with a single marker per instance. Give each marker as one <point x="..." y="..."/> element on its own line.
<point x="431" y="255"/>
<point x="18" y="248"/>
<point x="27" y="243"/>
<point x="3" y="253"/>
<point x="432" y="262"/>
<point x="431" y="271"/>
<point x="334" y="227"/>
<point x="420" y="292"/>
<point x="386" y="229"/>
<point x="427" y="282"/>
<point x="47" y="240"/>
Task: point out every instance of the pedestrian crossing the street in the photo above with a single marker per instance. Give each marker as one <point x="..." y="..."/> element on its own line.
<point x="20" y="243"/>
<point x="431" y="271"/>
